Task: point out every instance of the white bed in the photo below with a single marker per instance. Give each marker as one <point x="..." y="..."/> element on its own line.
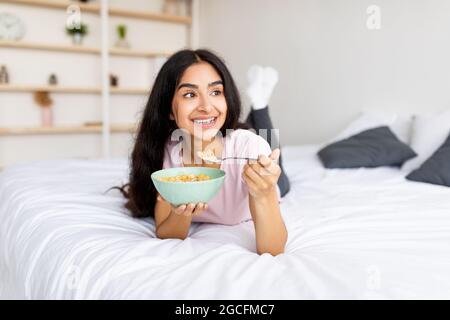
<point x="353" y="234"/>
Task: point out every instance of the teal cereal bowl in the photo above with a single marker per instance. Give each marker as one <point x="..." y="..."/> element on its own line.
<point x="178" y="193"/>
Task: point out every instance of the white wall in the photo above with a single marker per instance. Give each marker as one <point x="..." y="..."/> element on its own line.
<point x="331" y="65"/>
<point x="33" y="67"/>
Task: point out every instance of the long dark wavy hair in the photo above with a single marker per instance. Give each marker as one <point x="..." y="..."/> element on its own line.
<point x="156" y="126"/>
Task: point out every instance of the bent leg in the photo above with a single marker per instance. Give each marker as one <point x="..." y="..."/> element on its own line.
<point x="259" y="120"/>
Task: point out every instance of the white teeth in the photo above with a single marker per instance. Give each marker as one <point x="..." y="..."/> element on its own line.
<point x="205" y="121"/>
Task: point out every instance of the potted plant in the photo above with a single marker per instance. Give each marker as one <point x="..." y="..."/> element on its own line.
<point x="77" y="33"/>
<point x="122" y="33"/>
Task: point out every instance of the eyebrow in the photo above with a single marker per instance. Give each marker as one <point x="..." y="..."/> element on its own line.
<point x="194" y="86"/>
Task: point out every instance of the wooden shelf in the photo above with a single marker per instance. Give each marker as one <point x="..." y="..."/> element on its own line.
<point x="81" y="49"/>
<point x="118" y="12"/>
<point x="116" y="128"/>
<point x="56" y="89"/>
<point x="138" y="53"/>
<point x="95" y="8"/>
<point x="73" y="90"/>
<point x="57" y="4"/>
<point x="131" y="91"/>
<point x="47" y="47"/>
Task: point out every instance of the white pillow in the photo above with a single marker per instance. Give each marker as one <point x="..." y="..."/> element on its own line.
<point x="428" y="134"/>
<point x="399" y="124"/>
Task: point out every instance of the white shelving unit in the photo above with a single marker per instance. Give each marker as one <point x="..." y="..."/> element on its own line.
<point x="104" y="10"/>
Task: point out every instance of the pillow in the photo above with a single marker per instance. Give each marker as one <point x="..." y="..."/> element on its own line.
<point x="371" y="148"/>
<point x="435" y="170"/>
<point x="400" y="125"/>
<point x="428" y="134"/>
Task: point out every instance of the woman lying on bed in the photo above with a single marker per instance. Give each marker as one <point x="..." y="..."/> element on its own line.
<point x="195" y="94"/>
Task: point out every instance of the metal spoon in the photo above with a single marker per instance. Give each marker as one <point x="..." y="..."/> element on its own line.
<point x="210" y="157"/>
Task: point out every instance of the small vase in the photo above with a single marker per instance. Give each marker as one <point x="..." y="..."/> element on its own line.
<point x="47" y="117"/>
<point x="122" y="43"/>
<point x="4" y="77"/>
<point x="77" y="39"/>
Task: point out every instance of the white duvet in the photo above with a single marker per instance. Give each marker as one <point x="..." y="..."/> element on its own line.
<point x="353" y="234"/>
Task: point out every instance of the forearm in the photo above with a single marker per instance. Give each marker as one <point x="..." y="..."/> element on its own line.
<point x="174" y="227"/>
<point x="270" y="230"/>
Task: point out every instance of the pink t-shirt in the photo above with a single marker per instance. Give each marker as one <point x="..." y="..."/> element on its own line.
<point x="230" y="206"/>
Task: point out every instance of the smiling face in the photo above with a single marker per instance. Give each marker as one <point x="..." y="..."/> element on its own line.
<point x="199" y="105"/>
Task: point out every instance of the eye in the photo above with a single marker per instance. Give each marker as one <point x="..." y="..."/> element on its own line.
<point x="216" y="93"/>
<point x="189" y="95"/>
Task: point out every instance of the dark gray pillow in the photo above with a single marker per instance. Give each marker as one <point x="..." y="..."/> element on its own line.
<point x="369" y="149"/>
<point x="436" y="169"/>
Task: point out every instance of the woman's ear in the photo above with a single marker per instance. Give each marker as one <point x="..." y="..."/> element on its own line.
<point x="171" y="116"/>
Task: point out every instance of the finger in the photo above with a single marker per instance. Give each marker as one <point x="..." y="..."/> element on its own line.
<point x="275" y="155"/>
<point x="198" y="209"/>
<point x="180" y="209"/>
<point x="268" y="175"/>
<point x="255" y="177"/>
<point x="264" y="161"/>
<point x="272" y="168"/>
<point x="260" y="169"/>
<point x="270" y="163"/>
<point x="189" y="209"/>
<point x="250" y="184"/>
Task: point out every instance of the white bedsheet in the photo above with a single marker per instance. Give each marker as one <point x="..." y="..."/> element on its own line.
<point x="353" y="234"/>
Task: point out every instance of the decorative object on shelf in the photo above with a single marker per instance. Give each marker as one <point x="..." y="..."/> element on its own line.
<point x="93" y="123"/>
<point x="42" y="98"/>
<point x="113" y="80"/>
<point x="4" y="76"/>
<point x="121" y="34"/>
<point x="77" y="33"/>
<point x="172" y="7"/>
<point x="11" y="27"/>
<point x="53" y="80"/>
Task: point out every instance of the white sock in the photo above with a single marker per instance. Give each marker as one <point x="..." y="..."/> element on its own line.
<point x="262" y="81"/>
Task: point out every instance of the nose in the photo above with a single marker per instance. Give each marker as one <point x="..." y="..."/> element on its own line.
<point x="204" y="103"/>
